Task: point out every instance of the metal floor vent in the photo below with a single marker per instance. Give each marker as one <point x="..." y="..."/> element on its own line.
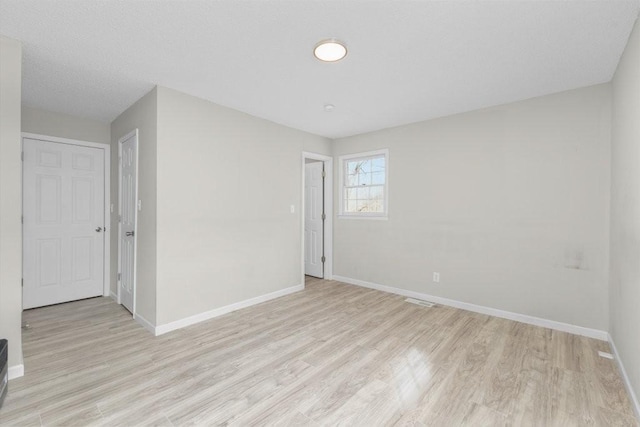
<point x="420" y="302"/>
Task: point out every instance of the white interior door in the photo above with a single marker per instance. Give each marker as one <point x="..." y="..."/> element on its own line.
<point x="128" y="217"/>
<point x="313" y="219"/>
<point x="63" y="216"/>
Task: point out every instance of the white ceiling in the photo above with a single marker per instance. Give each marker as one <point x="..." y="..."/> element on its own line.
<point x="408" y="60"/>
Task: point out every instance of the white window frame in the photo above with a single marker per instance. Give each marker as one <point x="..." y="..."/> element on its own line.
<point x="341" y="180"/>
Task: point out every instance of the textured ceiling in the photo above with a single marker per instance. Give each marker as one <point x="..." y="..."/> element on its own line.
<point x="408" y="60"/>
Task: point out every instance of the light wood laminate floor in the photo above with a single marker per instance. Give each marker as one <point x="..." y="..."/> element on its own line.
<point x="331" y="354"/>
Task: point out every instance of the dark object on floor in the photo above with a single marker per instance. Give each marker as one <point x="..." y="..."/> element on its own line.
<point x="4" y="370"/>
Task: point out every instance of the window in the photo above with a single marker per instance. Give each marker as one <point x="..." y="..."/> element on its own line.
<point x="363" y="182"/>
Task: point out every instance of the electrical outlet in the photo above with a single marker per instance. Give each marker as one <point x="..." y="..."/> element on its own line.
<point x="436" y="277"/>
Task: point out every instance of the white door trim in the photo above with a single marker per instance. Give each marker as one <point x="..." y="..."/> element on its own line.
<point x="135" y="236"/>
<point x="328" y="209"/>
<point x="107" y="194"/>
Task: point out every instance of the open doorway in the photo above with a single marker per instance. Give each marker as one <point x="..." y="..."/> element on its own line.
<point x="317" y="215"/>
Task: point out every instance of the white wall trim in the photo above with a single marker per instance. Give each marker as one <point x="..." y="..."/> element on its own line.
<point x="627" y="383"/>
<point x="524" y="318"/>
<point x="114" y="296"/>
<point x="328" y="209"/>
<point x="191" y="320"/>
<point x="107" y="194"/>
<point x="16" y="371"/>
<point x="144" y="322"/>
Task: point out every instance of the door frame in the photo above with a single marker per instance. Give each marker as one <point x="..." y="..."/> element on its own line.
<point x="328" y="210"/>
<point x="135" y="226"/>
<point x="107" y="193"/>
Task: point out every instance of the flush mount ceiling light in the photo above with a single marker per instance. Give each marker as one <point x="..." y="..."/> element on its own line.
<point x="329" y="107"/>
<point x="330" y="50"/>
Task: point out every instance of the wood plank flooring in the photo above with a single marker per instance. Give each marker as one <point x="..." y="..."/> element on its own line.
<point x="333" y="354"/>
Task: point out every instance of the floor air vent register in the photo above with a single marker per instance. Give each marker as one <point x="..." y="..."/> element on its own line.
<point x="420" y="302"/>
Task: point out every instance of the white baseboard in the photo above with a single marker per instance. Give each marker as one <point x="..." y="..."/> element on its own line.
<point x="523" y="318"/>
<point x="15" y="371"/>
<point x="145" y="323"/>
<point x="625" y="377"/>
<point x="114" y="296"/>
<point x="172" y="326"/>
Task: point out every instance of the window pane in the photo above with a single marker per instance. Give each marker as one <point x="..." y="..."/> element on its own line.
<point x="377" y="178"/>
<point x="377" y="164"/>
<point x="350" y="168"/>
<point x="364" y="179"/>
<point x="376" y="192"/>
<point x="365" y="166"/>
<point x="362" y="193"/>
<point x="348" y="205"/>
<point x="354" y="167"/>
<point x="373" y="206"/>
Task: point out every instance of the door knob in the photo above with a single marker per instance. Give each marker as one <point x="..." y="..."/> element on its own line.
<point x="99" y="229"/>
<point x="129" y="233"/>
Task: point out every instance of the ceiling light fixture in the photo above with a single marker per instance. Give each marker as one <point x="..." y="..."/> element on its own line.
<point x="330" y="50"/>
<point x="329" y="108"/>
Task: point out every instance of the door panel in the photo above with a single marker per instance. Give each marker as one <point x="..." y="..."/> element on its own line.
<point x="48" y="199"/>
<point x="82" y="254"/>
<point x="63" y="231"/>
<point x="313" y="223"/>
<point x="48" y="261"/>
<point x="128" y="212"/>
<point x="82" y="200"/>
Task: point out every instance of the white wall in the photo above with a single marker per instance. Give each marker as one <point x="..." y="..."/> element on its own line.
<point x="226" y="181"/>
<point x="508" y="204"/>
<point x="10" y="198"/>
<point x="625" y="210"/>
<point x="143" y="116"/>
<point x="49" y="123"/>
